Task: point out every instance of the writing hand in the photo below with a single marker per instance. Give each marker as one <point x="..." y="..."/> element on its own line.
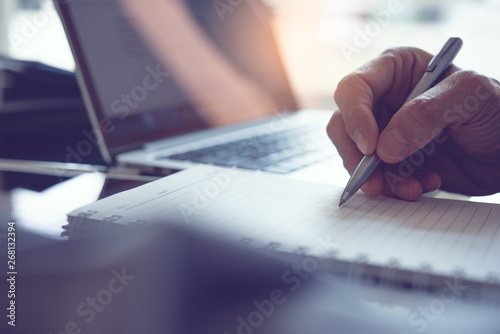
<point x="448" y="137"/>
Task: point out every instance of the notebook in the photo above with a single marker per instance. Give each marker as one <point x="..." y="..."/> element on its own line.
<point x="383" y="239"/>
<point x="142" y="115"/>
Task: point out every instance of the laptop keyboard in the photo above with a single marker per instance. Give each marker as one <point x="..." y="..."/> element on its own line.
<point x="280" y="152"/>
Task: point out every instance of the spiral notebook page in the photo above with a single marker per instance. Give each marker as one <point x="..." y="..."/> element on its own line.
<point x="445" y="235"/>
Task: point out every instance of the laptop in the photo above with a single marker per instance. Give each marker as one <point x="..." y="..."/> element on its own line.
<point x="160" y="129"/>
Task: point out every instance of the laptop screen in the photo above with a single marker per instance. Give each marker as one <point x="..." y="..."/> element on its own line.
<point x="133" y="98"/>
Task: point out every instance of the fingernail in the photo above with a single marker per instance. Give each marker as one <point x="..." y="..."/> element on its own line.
<point x="392" y="145"/>
<point x="361" y="140"/>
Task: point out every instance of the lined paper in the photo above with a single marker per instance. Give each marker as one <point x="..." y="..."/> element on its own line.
<point x="444" y="235"/>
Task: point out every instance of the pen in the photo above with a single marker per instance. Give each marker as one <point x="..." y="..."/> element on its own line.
<point x="435" y="68"/>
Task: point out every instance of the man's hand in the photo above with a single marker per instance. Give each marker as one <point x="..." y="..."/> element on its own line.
<point x="448" y="137"/>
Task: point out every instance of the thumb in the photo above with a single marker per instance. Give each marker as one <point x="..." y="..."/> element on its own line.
<point x="450" y="103"/>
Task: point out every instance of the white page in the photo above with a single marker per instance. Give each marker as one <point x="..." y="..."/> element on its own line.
<point x="444" y="235"/>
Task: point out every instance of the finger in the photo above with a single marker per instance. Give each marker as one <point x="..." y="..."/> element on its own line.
<point x="423" y="118"/>
<point x="350" y="154"/>
<point x="356" y="93"/>
<point x="411" y="188"/>
<point x="347" y="149"/>
<point x="375" y="184"/>
<point x="407" y="188"/>
<point x="430" y="181"/>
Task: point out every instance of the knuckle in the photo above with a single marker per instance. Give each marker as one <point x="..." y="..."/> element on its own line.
<point x="472" y="79"/>
<point x="397" y="53"/>
<point x="476" y="84"/>
<point x="394" y="52"/>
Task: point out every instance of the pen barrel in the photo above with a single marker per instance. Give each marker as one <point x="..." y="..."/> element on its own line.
<point x="365" y="168"/>
<point x="436" y="67"/>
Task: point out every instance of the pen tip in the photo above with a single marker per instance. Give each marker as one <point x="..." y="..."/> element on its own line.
<point x="341" y="202"/>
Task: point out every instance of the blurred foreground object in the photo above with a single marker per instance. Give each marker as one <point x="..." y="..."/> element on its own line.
<point x="175" y="280"/>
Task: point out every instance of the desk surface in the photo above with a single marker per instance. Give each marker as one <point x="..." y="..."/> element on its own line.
<point x="45" y="212"/>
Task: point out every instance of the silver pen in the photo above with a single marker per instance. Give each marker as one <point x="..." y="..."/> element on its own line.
<point x="436" y="67"/>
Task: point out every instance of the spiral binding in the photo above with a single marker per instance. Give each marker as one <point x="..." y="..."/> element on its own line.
<point x="420" y="281"/>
